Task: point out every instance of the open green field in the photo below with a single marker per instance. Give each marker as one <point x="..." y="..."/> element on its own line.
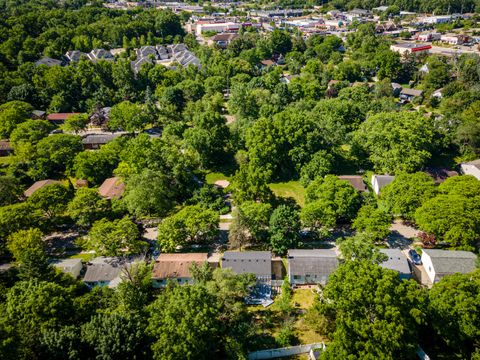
<point x="291" y="189"/>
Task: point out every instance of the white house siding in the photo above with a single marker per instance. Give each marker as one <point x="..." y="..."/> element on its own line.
<point x="469" y="169"/>
<point x="428" y="266"/>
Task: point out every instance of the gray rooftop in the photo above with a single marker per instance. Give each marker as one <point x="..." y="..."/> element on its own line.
<point x="320" y="262"/>
<point x="244" y="262"/>
<point x="100" y="138"/>
<point x="383" y="180"/>
<point x="104" y="269"/>
<point x="450" y="261"/>
<point x="396" y="261"/>
<point x="323" y="253"/>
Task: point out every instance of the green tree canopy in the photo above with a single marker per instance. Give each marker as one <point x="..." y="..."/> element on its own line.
<point x="149" y="193"/>
<point x="373" y="222"/>
<point x="284" y="229"/>
<point x="406" y="193"/>
<point x="114" y="238"/>
<point x="87" y="206"/>
<point x="11" y="114"/>
<point x="191" y="225"/>
<point x="184" y="322"/>
<point x="396" y="142"/>
<point x="51" y="200"/>
<point x="375" y="314"/>
<point x="453" y="306"/>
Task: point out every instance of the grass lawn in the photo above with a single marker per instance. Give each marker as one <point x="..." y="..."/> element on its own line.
<point x="84" y="256"/>
<point x="291" y="189"/>
<point x="270" y="320"/>
<point x="215" y="176"/>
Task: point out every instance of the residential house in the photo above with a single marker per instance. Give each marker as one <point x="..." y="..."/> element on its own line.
<point x="105" y="271"/>
<point x="380" y="181"/>
<point x="311" y="266"/>
<point x="38" y="115"/>
<point x="94" y="141"/>
<point x="177" y="267"/>
<point x="5" y="148"/>
<point x="439" y="175"/>
<point x="222" y="40"/>
<point x="471" y="168"/>
<point x="410" y="48"/>
<point x="355" y="180"/>
<point x="138" y="63"/>
<point x="112" y="188"/>
<point x="100" y="54"/>
<point x="438" y="94"/>
<point x="146" y="51"/>
<point x="410" y="94"/>
<point x="396" y="88"/>
<point x="439" y="263"/>
<point x="48" y="62"/>
<point x="244" y="262"/>
<point x="39" y="185"/>
<point x="72" y="267"/>
<point x="74" y="55"/>
<point x="397" y="261"/>
<point x="59" y="118"/>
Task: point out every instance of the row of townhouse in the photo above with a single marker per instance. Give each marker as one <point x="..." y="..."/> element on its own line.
<point x="303" y="267"/>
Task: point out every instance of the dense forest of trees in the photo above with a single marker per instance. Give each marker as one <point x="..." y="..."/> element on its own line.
<point x="290" y="123"/>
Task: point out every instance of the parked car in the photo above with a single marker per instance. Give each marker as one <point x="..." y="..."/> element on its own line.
<point x="414" y="257"/>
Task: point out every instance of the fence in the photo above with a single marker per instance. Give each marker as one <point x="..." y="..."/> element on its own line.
<point x="283" y="352"/>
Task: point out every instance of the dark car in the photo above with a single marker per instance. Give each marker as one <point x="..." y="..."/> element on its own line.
<point x="414" y="257"/>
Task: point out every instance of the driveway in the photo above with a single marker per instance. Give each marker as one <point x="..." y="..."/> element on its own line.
<point x="401" y="235"/>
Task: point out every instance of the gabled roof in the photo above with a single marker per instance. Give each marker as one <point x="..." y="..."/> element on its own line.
<point x="112" y="188"/>
<point x="99" y="139"/>
<point x="39" y="185"/>
<point x="396" y="261"/>
<point x="104" y="269"/>
<point x="60" y="116"/>
<point x="411" y="92"/>
<point x="355" y="180"/>
<point x="382" y="180"/>
<point x="450" y="261"/>
<point x="176" y="265"/>
<point x="475" y="163"/>
<point x="48" y="62"/>
<point x="244" y="262"/>
<point x="320" y="262"/>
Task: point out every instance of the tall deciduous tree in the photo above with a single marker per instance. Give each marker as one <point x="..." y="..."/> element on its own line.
<point x="114" y="238"/>
<point x="406" y="193"/>
<point x="87" y="206"/>
<point x="184" y="322"/>
<point x="397" y="142"/>
<point x="453" y="306"/>
<point x="191" y="225"/>
<point x="11" y="114"/>
<point x="376" y="315"/>
<point x="372" y="221"/>
<point x="284" y="229"/>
